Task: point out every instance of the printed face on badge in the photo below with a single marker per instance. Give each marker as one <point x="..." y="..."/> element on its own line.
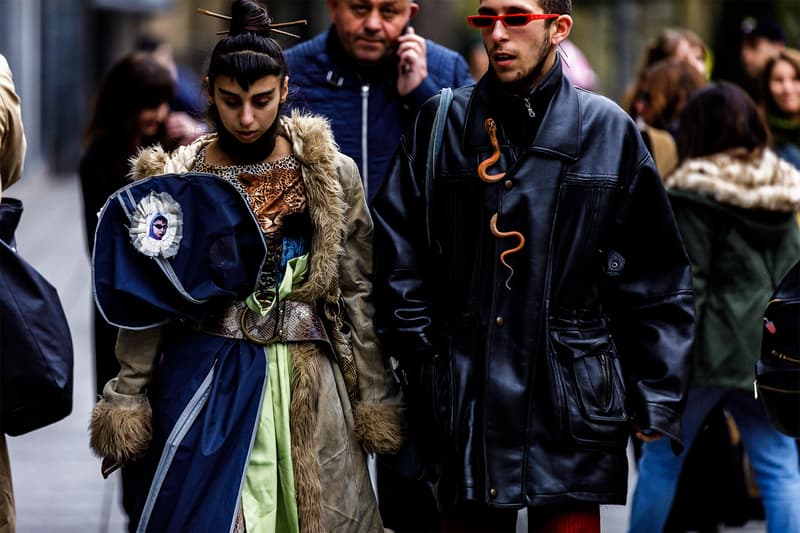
<point x="158" y="228"/>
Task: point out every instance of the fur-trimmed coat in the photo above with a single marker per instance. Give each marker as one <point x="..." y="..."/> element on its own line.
<point x="328" y="435"/>
<point x="736" y="213"/>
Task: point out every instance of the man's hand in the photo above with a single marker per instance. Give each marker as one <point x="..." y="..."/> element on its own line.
<point x="413" y="67"/>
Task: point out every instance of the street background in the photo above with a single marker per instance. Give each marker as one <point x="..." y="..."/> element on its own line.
<point x="59" y="49"/>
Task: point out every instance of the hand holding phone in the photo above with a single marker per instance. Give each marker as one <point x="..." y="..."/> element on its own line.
<point x="413" y="66"/>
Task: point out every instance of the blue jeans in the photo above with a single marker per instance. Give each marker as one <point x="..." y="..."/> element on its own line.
<point x="772" y="454"/>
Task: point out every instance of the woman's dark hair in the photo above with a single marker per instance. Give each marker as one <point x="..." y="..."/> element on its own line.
<point x="790" y="56"/>
<point x="717" y="118"/>
<point x="134" y="83"/>
<point x="247" y="53"/>
<point x="665" y="87"/>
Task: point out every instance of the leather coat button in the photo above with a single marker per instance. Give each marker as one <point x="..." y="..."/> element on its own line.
<point x="508" y="185"/>
<point x="493" y="493"/>
<point x="499" y="321"/>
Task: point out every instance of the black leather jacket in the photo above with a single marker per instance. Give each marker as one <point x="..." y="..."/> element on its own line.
<point x="533" y="388"/>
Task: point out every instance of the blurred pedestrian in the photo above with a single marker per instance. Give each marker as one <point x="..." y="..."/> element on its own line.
<point x="674" y="44"/>
<point x="12" y="133"/>
<point x="780" y="82"/>
<point x="186" y="109"/>
<point x="264" y="401"/>
<point x="12" y="159"/>
<point x="761" y="39"/>
<point x="369" y="74"/>
<point x="129" y="113"/>
<point x="660" y="96"/>
<point x="500" y="281"/>
<point x="734" y="200"/>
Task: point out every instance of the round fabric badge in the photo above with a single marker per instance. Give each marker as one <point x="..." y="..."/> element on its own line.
<point x="157" y="225"/>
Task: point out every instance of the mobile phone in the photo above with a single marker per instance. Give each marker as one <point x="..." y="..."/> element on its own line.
<point x="406" y="68"/>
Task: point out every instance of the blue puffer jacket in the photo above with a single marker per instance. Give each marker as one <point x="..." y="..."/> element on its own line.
<point x="366" y="112"/>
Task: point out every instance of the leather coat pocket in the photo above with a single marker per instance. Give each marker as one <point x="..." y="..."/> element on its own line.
<point x="589" y="384"/>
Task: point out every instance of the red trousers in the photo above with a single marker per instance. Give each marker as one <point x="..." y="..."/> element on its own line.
<point x="473" y="518"/>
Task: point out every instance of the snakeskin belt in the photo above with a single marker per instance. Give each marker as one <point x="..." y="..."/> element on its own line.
<point x="289" y="321"/>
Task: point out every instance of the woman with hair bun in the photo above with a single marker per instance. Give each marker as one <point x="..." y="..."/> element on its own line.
<point x="245" y="410"/>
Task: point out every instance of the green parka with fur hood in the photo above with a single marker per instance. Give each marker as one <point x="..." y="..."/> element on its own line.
<point x="736" y="212"/>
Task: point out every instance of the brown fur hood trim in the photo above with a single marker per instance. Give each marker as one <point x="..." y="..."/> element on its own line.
<point x="752" y="180"/>
<point x="314" y="146"/>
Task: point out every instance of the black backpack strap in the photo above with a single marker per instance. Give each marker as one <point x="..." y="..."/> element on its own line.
<point x="435" y="144"/>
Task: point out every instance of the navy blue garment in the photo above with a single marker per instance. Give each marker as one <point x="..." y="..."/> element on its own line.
<point x="220" y="253"/>
<point x="366" y="112"/>
<point x="206" y="398"/>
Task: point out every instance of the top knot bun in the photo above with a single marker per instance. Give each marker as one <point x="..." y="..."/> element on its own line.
<point x="249" y="16"/>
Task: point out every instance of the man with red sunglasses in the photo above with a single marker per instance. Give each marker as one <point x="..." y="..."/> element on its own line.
<point x="532" y="287"/>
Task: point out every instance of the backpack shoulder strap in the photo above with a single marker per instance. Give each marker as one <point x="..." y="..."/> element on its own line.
<point x="435" y="144"/>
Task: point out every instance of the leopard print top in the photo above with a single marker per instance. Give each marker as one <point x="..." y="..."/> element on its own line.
<point x="274" y="189"/>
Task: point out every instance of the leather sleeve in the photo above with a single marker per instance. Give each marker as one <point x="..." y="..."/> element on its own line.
<point x="402" y="290"/>
<point x="653" y="313"/>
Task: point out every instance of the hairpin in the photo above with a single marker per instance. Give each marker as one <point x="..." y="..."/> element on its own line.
<point x="270" y="27"/>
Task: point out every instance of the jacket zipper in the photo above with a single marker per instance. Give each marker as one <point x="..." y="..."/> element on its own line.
<point x="528" y="107"/>
<point x="364" y="132"/>
<point x="606" y="380"/>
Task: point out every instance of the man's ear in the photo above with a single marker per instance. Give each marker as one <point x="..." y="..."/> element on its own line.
<point x="413" y="8"/>
<point x="561" y="28"/>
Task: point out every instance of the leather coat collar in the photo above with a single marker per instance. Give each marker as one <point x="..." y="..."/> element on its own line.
<point x="559" y="132"/>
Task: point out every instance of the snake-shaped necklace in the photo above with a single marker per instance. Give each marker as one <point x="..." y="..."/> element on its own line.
<point x="483" y="167"/>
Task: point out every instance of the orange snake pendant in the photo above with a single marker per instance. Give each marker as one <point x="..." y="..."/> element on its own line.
<point x="491" y="129"/>
<point x="500" y="234"/>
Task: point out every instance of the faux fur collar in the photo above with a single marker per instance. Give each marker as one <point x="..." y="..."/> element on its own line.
<point x="314" y="146"/>
<point x="757" y="180"/>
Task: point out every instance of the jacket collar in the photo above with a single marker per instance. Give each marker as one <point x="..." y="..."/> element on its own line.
<point x="559" y="131"/>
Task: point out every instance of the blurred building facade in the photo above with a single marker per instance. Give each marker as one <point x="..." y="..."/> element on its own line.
<point x="59" y="49"/>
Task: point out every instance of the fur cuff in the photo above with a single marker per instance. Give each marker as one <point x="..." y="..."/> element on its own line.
<point x="380" y="428"/>
<point x="121" y="425"/>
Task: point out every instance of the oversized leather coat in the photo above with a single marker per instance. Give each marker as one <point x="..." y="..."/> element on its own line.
<point x="532" y="389"/>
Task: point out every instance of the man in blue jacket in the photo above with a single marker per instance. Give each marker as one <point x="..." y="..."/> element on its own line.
<point x="369" y="74"/>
